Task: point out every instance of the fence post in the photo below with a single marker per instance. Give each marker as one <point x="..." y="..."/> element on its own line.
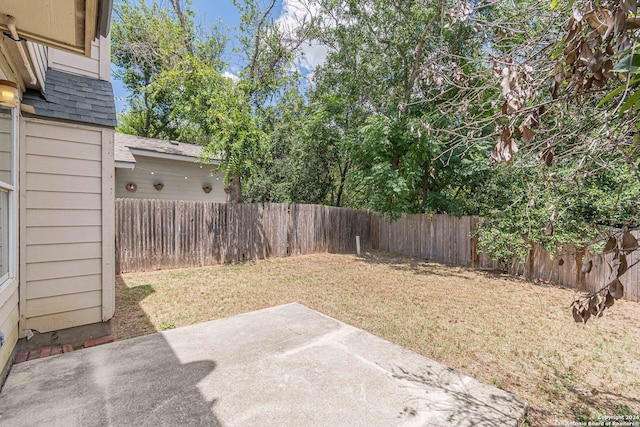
<point x="473" y="243"/>
<point x="580" y="276"/>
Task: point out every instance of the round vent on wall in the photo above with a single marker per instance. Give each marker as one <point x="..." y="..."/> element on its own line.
<point x="207" y="188"/>
<point x="131" y="187"/>
<point x="158" y="185"/>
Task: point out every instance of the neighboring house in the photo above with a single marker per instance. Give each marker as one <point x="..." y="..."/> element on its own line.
<point x="56" y="168"/>
<point x="149" y="168"/>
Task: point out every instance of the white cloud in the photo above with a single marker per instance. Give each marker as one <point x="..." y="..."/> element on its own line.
<point x="231" y="76"/>
<point x="313" y="54"/>
<point x="296" y="13"/>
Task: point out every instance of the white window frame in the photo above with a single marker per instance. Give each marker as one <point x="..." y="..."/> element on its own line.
<point x="12" y="205"/>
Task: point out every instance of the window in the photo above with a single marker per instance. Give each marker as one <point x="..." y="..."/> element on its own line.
<point x="8" y="119"/>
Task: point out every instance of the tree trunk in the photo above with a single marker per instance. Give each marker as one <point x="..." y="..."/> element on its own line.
<point x="147" y="109"/>
<point x="235" y="188"/>
<point x="343" y="179"/>
<point x="187" y="34"/>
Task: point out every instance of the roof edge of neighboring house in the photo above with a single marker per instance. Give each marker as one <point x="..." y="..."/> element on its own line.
<point x="127" y="147"/>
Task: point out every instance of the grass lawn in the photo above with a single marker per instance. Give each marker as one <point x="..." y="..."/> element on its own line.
<point x="511" y="333"/>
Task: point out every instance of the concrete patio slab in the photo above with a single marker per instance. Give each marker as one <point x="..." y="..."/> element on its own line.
<point x="283" y="366"/>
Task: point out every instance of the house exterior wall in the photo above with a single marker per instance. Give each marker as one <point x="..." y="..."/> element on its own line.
<point x="9" y="292"/>
<point x="172" y="174"/>
<point x="61" y="197"/>
<point x="96" y="66"/>
<point x="66" y="198"/>
<point x="8" y="321"/>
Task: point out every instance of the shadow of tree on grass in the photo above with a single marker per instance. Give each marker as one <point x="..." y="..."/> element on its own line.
<point x="413" y="265"/>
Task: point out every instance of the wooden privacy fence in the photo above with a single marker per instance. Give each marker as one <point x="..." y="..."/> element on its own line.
<point x="441" y="238"/>
<point x="565" y="268"/>
<point x="161" y="234"/>
<point x="447" y="239"/>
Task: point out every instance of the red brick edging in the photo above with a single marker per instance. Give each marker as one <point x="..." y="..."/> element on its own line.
<point x="98" y="341"/>
<point x="23" y="356"/>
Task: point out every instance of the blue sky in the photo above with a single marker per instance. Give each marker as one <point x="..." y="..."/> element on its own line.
<point x="207" y="12"/>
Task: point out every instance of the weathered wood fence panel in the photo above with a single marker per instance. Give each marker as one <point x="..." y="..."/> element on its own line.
<point x="162" y="234"/>
<point x="441" y="238"/>
<point x="565" y="269"/>
<point x="449" y="239"/>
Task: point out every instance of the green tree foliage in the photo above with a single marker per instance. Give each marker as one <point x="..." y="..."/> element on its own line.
<point x="148" y="41"/>
<point x="513" y="110"/>
<point x="173" y="70"/>
<point x="212" y="111"/>
<point x="438" y="88"/>
<point x="310" y="140"/>
<point x="297" y="170"/>
<point x="376" y="69"/>
<point x="555" y="110"/>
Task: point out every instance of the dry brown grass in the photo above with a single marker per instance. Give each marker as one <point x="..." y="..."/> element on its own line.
<point x="511" y="333"/>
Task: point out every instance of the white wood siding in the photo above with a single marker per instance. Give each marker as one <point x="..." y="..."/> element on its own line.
<point x="108" y="226"/>
<point x="171" y="173"/>
<point x="96" y="66"/>
<point x="62" y="225"/>
<point x="9" y="292"/>
<point x="8" y="320"/>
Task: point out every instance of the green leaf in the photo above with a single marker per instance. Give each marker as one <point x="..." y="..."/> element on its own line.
<point x="628" y="64"/>
<point x="554" y="4"/>
<point x="631" y="101"/>
<point x="557" y="52"/>
<point x="618" y="91"/>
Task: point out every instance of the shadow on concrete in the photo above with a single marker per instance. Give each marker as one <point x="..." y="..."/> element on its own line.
<point x="135" y="382"/>
<point x="286" y="365"/>
<point x="475" y="407"/>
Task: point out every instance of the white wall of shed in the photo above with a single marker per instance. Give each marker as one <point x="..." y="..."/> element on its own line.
<point x="172" y="174"/>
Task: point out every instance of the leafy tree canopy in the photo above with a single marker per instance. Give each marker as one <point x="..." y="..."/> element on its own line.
<point x="523" y="112"/>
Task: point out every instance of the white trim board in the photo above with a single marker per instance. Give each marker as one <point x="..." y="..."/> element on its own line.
<point x="125" y="165"/>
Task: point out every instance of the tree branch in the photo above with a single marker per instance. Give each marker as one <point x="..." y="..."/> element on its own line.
<point x="418" y="57"/>
<point x="187" y="33"/>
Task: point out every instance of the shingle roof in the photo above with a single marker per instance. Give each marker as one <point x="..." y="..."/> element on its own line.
<point x="124" y="142"/>
<point x="74" y="98"/>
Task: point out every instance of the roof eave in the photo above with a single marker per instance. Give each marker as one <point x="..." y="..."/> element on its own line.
<point x="125" y="165"/>
<point x="135" y="151"/>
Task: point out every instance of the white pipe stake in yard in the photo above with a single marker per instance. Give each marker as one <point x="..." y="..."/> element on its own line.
<point x="358" y="245"/>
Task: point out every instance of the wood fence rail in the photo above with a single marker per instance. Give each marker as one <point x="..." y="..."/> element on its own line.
<point x="161" y="234"/>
